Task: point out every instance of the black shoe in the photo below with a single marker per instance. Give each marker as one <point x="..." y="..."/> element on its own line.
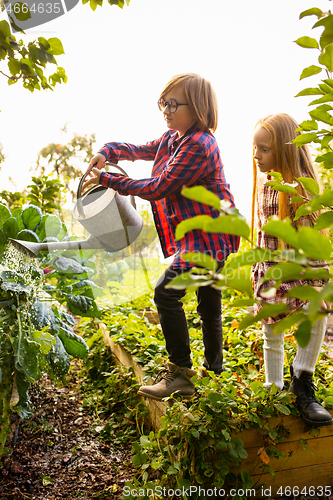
<point x="313" y="413"/>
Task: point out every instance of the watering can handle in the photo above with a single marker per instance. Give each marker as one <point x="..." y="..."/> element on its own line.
<point x="83" y="178"/>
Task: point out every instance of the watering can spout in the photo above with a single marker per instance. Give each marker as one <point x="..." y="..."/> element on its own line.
<point x="109" y="218"/>
<point x="32" y="249"/>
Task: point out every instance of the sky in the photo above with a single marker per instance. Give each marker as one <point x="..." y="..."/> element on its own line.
<point x="118" y="60"/>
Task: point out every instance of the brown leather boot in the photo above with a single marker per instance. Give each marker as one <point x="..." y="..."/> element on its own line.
<point x="175" y="379"/>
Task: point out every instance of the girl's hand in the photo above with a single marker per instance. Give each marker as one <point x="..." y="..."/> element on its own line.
<point x="93" y="178"/>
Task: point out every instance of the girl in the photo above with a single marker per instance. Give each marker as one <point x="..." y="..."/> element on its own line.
<point x="272" y="151"/>
<point x="186" y="155"/>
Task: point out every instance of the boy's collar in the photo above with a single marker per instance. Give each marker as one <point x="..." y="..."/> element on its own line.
<point x="188" y="132"/>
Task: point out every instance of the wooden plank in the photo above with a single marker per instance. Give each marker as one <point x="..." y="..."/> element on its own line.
<point x="316" y="476"/>
<point x="295" y="456"/>
<point x="295" y="425"/>
<point x="157" y="409"/>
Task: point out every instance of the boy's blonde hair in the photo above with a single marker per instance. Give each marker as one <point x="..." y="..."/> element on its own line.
<point x="291" y="161"/>
<point x="200" y="97"/>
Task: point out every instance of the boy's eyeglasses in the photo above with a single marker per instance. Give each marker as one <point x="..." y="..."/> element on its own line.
<point x="172" y="105"/>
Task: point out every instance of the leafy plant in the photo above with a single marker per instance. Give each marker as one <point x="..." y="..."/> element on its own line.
<point x="27" y="64"/>
<point x="66" y="160"/>
<point x="45" y="193"/>
<point x="318" y="128"/>
<point x="36" y="330"/>
<point x="291" y="263"/>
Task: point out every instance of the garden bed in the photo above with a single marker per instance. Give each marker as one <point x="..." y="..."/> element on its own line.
<point x="301" y="463"/>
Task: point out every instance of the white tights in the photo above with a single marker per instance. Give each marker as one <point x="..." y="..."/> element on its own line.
<point x="305" y="359"/>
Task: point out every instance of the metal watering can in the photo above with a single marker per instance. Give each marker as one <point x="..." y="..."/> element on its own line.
<point x="110" y="218"/>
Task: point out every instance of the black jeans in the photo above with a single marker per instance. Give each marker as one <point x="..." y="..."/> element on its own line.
<point x="174" y="325"/>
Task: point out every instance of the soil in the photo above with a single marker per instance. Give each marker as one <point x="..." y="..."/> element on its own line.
<point x="56" y="454"/>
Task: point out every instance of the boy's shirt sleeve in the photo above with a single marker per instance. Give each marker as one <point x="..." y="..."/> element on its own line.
<point x="186" y="168"/>
<point x="114" y="151"/>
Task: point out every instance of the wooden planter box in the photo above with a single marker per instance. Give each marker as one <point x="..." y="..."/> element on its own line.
<point x="299" y="469"/>
<point x="299" y="472"/>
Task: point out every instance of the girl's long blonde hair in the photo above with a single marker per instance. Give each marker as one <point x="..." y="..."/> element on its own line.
<point x="291" y="162"/>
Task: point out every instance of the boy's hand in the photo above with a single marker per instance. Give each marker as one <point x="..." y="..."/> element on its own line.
<point x="93" y="178"/>
<point x="98" y="161"/>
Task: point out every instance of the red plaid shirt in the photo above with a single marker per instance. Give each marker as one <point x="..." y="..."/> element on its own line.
<point x="193" y="159"/>
<point x="268" y="204"/>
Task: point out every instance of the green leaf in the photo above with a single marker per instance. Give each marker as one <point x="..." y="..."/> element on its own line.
<point x="310" y="185"/>
<point x="324" y="98"/>
<point x="324" y="221"/>
<point x="79" y="304"/>
<point x="201" y="194"/>
<point x="227" y="224"/>
<point x="326" y="57"/>
<point x="307" y="42"/>
<point x="324" y="157"/>
<point x="314" y="244"/>
<point x="302" y="139"/>
<point x="3" y="241"/>
<point x="4" y="214"/>
<point x="308" y="125"/>
<point x="282" y="408"/>
<point x="190" y="225"/>
<point x="27" y="235"/>
<point x="304" y="210"/>
<point x="277" y="176"/>
<point x="43" y="43"/>
<point x="14" y="66"/>
<point x="31" y="217"/>
<point x="284" y="187"/>
<point x="304" y="292"/>
<point x="56" y="47"/>
<point x="74" y="344"/>
<point x="4" y="29"/>
<point x="310" y="71"/>
<point x="283" y="272"/>
<point x="50" y="226"/>
<point x="310" y="91"/>
<point x="247" y="258"/>
<point x="288" y="322"/>
<point x="66" y="265"/>
<point x="189" y="279"/>
<point x="283" y="230"/>
<point x="21" y="11"/>
<point x="10" y="228"/>
<point x="321" y="115"/>
<point x="325" y="199"/>
<point x="267" y="311"/>
<point x="200" y="259"/>
<point x="59" y="361"/>
<point x="27" y="354"/>
<point x="238" y="280"/>
<point x="303" y="333"/>
<point x="329" y="82"/>
<point x="311" y="12"/>
<point x="296" y="199"/>
<point x="242" y="302"/>
<point x="327" y="89"/>
<point x="44" y="339"/>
